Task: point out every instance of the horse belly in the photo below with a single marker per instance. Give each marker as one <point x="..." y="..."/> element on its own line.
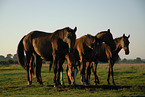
<point x="44" y="50"/>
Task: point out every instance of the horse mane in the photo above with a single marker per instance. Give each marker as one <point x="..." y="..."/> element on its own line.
<point x="59" y="32"/>
<point x="117" y="39"/>
<point x="101" y="32"/>
<point x="89" y="35"/>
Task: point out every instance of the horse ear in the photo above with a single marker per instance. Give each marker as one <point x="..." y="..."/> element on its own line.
<point x="108" y="30"/>
<point x="128" y="35"/>
<point x="75" y="29"/>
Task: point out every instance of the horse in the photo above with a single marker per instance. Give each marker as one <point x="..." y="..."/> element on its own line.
<point x="84" y="50"/>
<point x="54" y="47"/>
<point x="104" y="36"/>
<point x="107" y="37"/>
<point x="106" y="55"/>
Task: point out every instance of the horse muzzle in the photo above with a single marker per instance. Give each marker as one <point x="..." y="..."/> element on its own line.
<point x="126" y="52"/>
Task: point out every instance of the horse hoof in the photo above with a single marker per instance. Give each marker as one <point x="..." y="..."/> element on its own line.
<point x="62" y="83"/>
<point x="55" y="85"/>
<point x="98" y="82"/>
<point x="114" y="84"/>
<point x="29" y="83"/>
<point x="83" y="83"/>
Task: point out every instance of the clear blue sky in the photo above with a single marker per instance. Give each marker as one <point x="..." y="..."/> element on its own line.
<point x="19" y="17"/>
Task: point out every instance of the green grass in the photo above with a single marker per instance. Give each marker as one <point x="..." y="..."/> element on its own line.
<point x="129" y="78"/>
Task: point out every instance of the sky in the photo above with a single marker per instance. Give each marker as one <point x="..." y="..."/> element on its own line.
<point x="19" y="17"/>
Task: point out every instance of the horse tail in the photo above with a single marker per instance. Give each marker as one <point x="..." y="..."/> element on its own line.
<point x="20" y="54"/>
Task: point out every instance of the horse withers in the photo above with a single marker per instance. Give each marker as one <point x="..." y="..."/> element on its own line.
<point x="53" y="47"/>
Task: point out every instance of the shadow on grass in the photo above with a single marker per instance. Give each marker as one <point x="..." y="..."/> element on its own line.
<point x="93" y="87"/>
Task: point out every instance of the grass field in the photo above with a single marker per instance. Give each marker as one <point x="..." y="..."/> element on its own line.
<point x="129" y="78"/>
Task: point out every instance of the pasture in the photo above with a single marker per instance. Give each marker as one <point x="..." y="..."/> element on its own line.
<point x="129" y="78"/>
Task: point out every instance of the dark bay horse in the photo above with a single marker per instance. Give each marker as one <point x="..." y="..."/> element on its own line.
<point x="106" y="55"/>
<point x="84" y="50"/>
<point x="104" y="36"/>
<point x="53" y="47"/>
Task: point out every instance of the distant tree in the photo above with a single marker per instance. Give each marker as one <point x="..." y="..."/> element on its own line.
<point x="9" y="56"/>
<point x="10" y="61"/>
<point x="124" y="60"/>
<point x="118" y="60"/>
<point x="2" y="57"/>
<point x="15" y="57"/>
<point x="138" y="59"/>
<point x="4" y="62"/>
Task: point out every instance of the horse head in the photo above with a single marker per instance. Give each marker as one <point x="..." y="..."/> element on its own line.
<point x="107" y="37"/>
<point x="69" y="37"/>
<point x="125" y="43"/>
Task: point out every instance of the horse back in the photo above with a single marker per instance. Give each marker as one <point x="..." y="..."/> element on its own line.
<point x="83" y="47"/>
<point x="40" y="43"/>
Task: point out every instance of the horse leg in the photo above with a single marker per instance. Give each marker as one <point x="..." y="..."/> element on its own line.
<point x="61" y="70"/>
<point x="55" y="70"/>
<point x="112" y="73"/>
<point x="31" y="69"/>
<point x="94" y="69"/>
<point x="75" y="73"/>
<point x="88" y="73"/>
<point x="58" y="73"/>
<point x="111" y="63"/>
<point x="70" y="60"/>
<point x="38" y="63"/>
<point x="28" y="56"/>
<point x="69" y="81"/>
<point x="82" y="71"/>
<point x="50" y="66"/>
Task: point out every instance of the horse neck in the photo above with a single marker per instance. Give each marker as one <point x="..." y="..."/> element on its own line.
<point x="58" y="34"/>
<point x="118" y="45"/>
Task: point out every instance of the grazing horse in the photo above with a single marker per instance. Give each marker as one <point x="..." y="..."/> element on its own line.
<point x="106" y="55"/>
<point x="53" y="47"/>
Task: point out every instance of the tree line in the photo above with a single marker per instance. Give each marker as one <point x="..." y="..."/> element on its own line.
<point x="9" y="59"/>
<point x="12" y="59"/>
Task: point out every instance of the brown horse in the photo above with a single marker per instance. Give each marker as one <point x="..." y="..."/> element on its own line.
<point x="53" y="47"/>
<point x="106" y="55"/>
<point x="84" y="50"/>
<point x="104" y="36"/>
<point x="107" y="37"/>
